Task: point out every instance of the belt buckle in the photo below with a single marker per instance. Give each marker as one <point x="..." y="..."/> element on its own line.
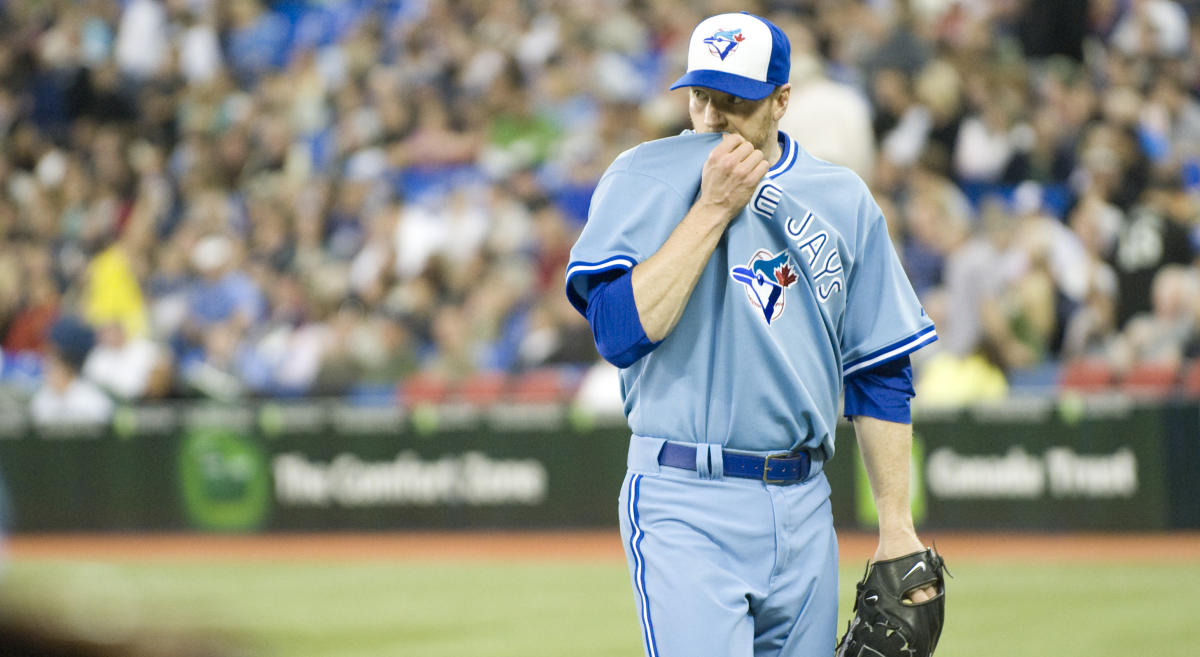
<point x="767" y="468"/>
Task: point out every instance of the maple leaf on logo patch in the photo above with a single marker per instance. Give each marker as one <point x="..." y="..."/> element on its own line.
<point x="739" y="37"/>
<point x="785" y="276"/>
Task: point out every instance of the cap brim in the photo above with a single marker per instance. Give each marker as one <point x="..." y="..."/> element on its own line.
<point x="735" y="85"/>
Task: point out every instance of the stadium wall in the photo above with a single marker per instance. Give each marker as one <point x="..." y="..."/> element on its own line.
<point x="1036" y="464"/>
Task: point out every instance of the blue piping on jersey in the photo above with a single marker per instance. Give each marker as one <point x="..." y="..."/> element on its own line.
<point x="622" y="263"/>
<point x="615" y="262"/>
<point x="639" y="575"/>
<point x="901" y="347"/>
<point x="790" y="154"/>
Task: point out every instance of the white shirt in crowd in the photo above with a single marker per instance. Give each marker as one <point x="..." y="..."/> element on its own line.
<point x="123" y="370"/>
<point x="82" y="402"/>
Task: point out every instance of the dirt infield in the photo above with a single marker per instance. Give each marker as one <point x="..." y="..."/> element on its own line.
<point x="561" y="545"/>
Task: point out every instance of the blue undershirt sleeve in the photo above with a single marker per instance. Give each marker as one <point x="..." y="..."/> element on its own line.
<point x="884" y="391"/>
<point x="616" y="326"/>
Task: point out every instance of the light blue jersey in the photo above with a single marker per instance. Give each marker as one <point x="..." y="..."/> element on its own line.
<point x="803" y="289"/>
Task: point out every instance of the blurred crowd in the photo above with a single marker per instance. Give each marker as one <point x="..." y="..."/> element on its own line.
<point x="244" y="198"/>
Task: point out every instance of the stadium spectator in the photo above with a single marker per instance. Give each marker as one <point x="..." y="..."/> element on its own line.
<point x="1153" y="235"/>
<point x="223" y="304"/>
<point x="142" y="45"/>
<point x="66" y="397"/>
<point x="1152" y="28"/>
<point x="456" y="354"/>
<point x="257" y="40"/>
<point x="832" y="119"/>
<point x="938" y="88"/>
<point x="937" y="216"/>
<point x="1053" y="27"/>
<point x="993" y="135"/>
<point x="1091" y="329"/>
<point x="1162" y="335"/>
<point x="901" y="124"/>
<point x="967" y="280"/>
<point x="112" y="293"/>
<point x="29" y="326"/>
<point x="950" y="380"/>
<point x="223" y="293"/>
<point x="127" y="367"/>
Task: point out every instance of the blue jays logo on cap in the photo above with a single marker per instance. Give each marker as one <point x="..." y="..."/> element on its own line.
<point x="766" y="277"/>
<point x="722" y="42"/>
<point x="741" y="54"/>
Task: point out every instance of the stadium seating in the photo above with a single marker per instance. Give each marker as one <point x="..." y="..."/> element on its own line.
<point x="1150" y="380"/>
<point x="1086" y="375"/>
<point x="1190" y="382"/>
<point x="484" y="388"/>
<point x="540" y="386"/>
<point x="425" y="388"/>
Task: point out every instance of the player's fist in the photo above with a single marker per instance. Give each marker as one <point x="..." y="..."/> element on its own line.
<point x="731" y="174"/>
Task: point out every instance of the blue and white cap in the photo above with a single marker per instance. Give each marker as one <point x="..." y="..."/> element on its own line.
<point x="741" y="54"/>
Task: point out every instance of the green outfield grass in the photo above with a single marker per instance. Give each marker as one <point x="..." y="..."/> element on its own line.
<point x="389" y="609"/>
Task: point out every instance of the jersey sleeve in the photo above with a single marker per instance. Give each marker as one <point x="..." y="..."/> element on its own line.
<point x="632" y="213"/>
<point x="884" y="319"/>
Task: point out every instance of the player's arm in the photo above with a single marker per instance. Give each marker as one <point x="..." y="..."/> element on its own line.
<point x="663" y="283"/>
<point x="886" y="449"/>
<point x="878" y="401"/>
<point x="631" y="311"/>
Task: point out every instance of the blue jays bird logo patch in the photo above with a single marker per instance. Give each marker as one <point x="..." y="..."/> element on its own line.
<point x="766" y="277"/>
<point x="722" y="42"/>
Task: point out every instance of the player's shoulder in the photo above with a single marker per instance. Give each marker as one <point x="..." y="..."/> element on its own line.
<point x="811" y="168"/>
<point x="836" y="188"/>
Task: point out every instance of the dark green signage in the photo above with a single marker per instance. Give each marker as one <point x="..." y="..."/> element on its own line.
<point x="317" y="466"/>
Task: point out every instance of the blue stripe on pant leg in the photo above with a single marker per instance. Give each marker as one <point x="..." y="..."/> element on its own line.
<point x="639" y="575"/>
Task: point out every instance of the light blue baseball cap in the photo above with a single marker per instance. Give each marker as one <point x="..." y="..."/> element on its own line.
<point x="741" y="54"/>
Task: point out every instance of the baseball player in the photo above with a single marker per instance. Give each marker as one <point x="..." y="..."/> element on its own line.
<point x="738" y="282"/>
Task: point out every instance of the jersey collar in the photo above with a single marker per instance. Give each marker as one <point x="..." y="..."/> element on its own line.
<point x="789" y="153"/>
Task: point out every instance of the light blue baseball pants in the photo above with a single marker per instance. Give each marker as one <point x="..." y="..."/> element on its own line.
<point x="728" y="567"/>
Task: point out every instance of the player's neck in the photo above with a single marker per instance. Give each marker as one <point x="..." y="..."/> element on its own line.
<point x="772" y="149"/>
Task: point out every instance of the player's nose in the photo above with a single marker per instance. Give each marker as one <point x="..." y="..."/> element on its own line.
<point x="714" y="119"/>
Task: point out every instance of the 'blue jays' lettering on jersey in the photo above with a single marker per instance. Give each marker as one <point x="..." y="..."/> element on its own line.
<point x="803" y="289"/>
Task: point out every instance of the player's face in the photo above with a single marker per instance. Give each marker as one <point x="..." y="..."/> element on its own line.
<point x="755" y="120"/>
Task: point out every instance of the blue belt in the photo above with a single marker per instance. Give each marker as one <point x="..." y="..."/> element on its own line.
<point x="786" y="468"/>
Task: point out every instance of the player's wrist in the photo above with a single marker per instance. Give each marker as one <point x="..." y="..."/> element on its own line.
<point x="897" y="541"/>
<point x="714" y="214"/>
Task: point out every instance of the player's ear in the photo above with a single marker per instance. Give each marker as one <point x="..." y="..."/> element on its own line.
<point x="779" y="100"/>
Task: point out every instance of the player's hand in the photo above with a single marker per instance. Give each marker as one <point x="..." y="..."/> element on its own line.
<point x="731" y="174"/>
<point x="898" y="545"/>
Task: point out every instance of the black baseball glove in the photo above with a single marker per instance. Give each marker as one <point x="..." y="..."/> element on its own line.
<point x="884" y="624"/>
